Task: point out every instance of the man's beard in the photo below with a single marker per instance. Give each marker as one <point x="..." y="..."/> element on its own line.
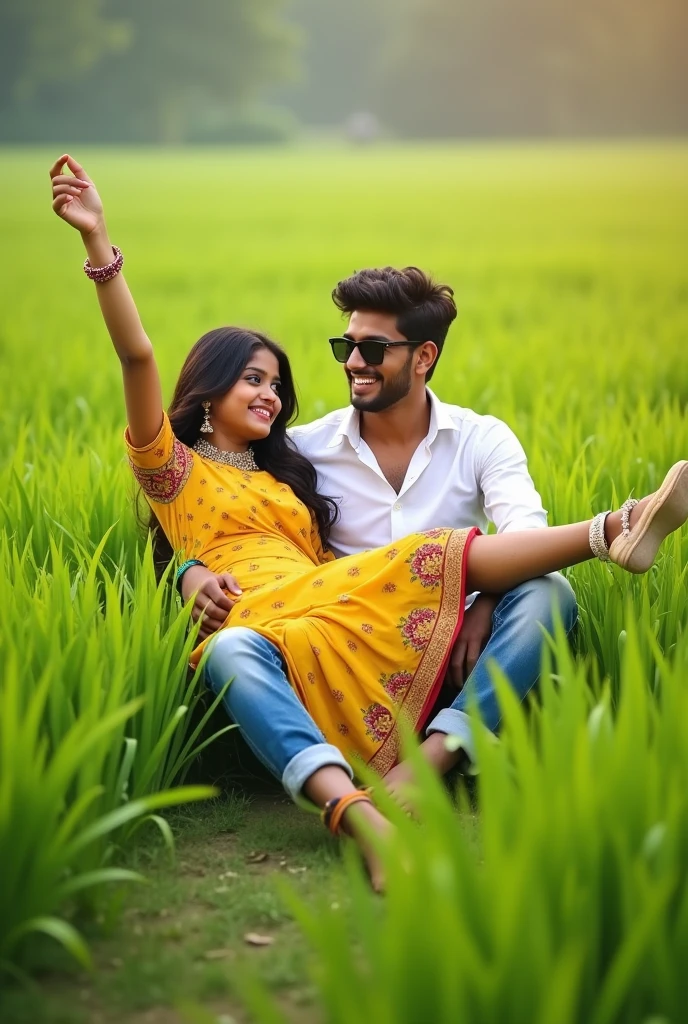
<point x="391" y="391"/>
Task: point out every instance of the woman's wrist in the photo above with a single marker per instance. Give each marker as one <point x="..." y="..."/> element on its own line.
<point x="182" y="571"/>
<point x="98" y="246"/>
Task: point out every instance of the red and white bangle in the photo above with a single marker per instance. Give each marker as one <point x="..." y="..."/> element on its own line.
<point x="102" y="274"/>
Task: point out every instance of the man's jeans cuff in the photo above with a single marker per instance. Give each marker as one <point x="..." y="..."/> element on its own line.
<point x="307" y="761"/>
<point x="455" y="723"/>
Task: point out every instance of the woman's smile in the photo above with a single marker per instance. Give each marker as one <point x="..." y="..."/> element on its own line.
<point x="262" y="411"/>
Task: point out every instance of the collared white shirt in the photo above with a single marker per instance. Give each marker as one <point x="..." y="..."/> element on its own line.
<point x="468" y="471"/>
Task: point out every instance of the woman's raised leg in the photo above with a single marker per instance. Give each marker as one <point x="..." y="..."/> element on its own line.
<point x="499" y="563"/>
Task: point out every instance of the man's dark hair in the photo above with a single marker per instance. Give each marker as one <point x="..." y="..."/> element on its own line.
<point x="424" y="309"/>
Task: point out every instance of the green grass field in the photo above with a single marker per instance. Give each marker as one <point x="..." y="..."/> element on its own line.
<point x="570" y="267"/>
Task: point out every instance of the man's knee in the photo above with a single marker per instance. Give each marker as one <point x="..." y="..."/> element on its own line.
<point x="547" y="599"/>
<point x="564" y="600"/>
<point x="556" y="599"/>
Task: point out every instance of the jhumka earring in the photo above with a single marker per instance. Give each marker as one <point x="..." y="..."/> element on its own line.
<point x="206" y="425"/>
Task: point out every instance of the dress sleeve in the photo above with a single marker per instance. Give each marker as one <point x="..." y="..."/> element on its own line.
<point x="162" y="467"/>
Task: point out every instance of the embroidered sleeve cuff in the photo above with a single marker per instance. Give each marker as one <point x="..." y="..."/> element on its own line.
<point x="163" y="467"/>
<point x="157" y="440"/>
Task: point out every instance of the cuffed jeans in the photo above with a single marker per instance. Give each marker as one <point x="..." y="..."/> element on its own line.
<point x="270" y="716"/>
<point x="282" y="734"/>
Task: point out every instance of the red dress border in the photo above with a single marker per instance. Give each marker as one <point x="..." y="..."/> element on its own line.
<point x="437" y="653"/>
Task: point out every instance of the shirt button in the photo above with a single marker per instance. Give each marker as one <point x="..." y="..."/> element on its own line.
<point x="397" y="507"/>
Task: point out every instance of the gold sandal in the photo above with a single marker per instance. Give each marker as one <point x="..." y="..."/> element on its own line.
<point x="636" y="549"/>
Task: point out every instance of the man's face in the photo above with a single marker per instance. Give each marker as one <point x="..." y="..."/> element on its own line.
<point x="376" y="388"/>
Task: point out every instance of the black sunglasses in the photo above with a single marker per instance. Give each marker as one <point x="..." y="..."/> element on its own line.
<point x="372" y="351"/>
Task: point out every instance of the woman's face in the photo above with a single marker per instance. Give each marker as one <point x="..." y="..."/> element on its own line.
<point x="247" y="411"/>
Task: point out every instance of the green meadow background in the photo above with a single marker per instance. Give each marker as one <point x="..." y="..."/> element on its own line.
<point x="570" y="269"/>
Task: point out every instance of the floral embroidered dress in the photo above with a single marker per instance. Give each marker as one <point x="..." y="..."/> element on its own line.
<point x="364" y="638"/>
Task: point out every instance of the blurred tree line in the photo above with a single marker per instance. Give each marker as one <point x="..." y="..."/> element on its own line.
<point x="540" y="67"/>
<point x="139" y="70"/>
<point x="447" y="68"/>
<point x="173" y="71"/>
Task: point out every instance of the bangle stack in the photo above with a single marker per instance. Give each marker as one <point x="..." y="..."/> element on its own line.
<point x="102" y="274"/>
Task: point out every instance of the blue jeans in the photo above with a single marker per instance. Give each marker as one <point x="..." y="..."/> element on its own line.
<point x="516" y="646"/>
<point x="270" y="716"/>
<point x="282" y="734"/>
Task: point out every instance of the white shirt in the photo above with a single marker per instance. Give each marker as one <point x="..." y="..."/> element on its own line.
<point x="469" y="470"/>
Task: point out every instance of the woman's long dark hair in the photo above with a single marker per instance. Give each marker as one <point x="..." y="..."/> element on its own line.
<point x="212" y="367"/>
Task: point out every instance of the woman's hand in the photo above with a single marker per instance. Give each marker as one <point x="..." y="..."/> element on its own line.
<point x="75" y="198"/>
<point x="216" y="595"/>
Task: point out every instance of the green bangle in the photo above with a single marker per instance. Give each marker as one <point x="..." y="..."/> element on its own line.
<point x="182" y="569"/>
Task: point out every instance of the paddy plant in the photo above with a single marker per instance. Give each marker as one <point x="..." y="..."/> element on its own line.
<point x="97" y="729"/>
<point x="561" y="897"/>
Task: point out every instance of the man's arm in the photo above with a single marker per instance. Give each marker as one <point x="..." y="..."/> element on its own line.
<point x="511" y="502"/>
<point x="510" y="499"/>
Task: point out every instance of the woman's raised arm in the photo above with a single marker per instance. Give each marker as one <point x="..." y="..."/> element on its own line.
<point x="76" y="201"/>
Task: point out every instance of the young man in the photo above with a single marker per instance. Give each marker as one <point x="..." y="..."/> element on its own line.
<point x="398" y="461"/>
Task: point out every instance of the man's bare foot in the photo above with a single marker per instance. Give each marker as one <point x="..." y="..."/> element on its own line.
<point x="400" y="781"/>
<point x="359" y="821"/>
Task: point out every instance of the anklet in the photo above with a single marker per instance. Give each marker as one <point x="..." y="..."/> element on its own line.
<point x="626" y="510"/>
<point x="333" y="811"/>
<point x="597" y="540"/>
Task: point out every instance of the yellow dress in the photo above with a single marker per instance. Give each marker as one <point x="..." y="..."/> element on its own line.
<point x="365" y="638"/>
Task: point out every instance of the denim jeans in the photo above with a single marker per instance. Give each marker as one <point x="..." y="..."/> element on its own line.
<point x="282" y="734"/>
<point x="516" y="646"/>
<point x="270" y="716"/>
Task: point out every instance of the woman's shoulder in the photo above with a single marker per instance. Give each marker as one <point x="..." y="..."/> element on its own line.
<point x="162" y="467"/>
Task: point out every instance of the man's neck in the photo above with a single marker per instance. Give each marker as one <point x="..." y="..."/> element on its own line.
<point x="404" y="424"/>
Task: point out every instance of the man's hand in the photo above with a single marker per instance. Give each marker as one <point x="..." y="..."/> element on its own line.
<point x="212" y="602"/>
<point x="473" y="636"/>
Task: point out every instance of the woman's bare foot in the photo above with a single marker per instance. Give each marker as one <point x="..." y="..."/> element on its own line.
<point x="359" y="821"/>
<point x="399" y="782"/>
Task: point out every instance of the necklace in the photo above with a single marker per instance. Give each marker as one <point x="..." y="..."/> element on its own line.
<point x="240" y="460"/>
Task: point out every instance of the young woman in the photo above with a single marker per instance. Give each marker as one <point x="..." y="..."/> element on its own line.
<point x="365" y="638"/>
